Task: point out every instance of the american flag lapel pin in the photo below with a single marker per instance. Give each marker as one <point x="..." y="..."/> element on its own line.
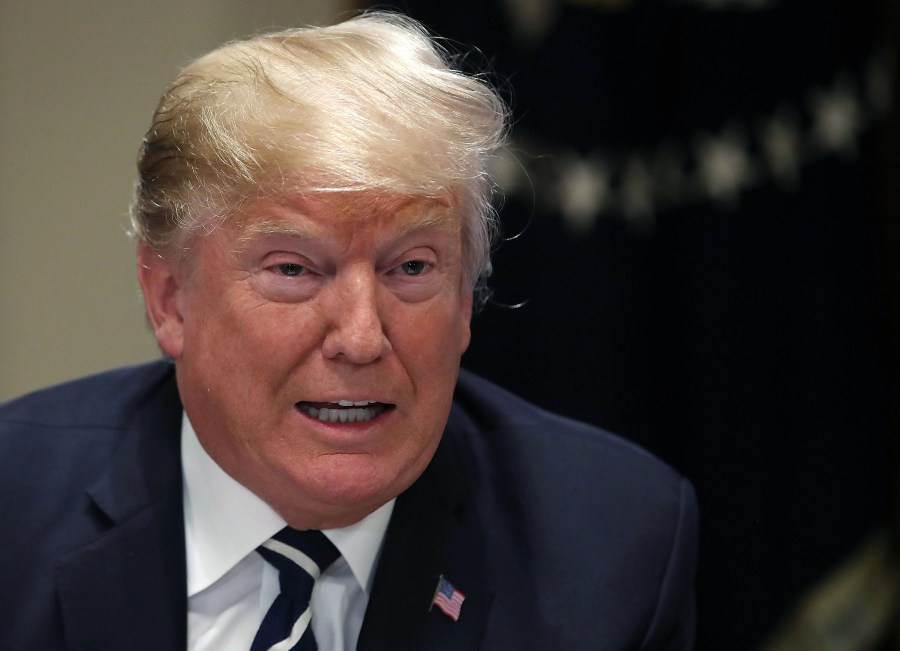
<point x="447" y="598"/>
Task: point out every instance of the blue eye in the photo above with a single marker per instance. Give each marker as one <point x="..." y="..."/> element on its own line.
<point x="414" y="267"/>
<point x="290" y="269"/>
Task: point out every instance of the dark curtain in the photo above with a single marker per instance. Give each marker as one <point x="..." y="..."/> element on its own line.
<point x="694" y="217"/>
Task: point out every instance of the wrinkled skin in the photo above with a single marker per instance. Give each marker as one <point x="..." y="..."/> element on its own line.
<point x="318" y="299"/>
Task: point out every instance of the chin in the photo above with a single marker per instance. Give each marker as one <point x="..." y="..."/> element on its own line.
<point x="354" y="486"/>
<point x="349" y="486"/>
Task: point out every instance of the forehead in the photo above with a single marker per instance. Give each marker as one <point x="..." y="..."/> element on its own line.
<point x="333" y="215"/>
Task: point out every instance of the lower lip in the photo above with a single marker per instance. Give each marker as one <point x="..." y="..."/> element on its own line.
<point x="347" y="438"/>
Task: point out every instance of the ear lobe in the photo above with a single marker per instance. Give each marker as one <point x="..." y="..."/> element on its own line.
<point x="465" y="315"/>
<point x="161" y="288"/>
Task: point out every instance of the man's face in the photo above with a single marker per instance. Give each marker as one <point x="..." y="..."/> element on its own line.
<point x="317" y="344"/>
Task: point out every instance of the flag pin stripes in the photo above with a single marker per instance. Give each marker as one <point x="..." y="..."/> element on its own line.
<point x="447" y="598"/>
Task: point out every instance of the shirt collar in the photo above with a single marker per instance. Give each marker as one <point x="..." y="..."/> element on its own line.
<point x="224" y="522"/>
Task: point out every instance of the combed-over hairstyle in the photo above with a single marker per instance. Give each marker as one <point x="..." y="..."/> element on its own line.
<point x="369" y="104"/>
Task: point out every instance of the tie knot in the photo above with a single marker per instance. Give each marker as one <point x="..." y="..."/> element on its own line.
<point x="299" y="556"/>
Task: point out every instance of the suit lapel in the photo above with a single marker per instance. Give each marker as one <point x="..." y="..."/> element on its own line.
<point x="429" y="535"/>
<point x="127" y="589"/>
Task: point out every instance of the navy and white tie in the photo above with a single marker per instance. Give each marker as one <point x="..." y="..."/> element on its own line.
<point x="300" y="558"/>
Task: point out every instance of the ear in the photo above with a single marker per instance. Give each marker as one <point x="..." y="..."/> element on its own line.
<point x="465" y="315"/>
<point x="161" y="287"/>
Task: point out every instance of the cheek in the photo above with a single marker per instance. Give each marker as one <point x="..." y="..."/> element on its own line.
<point x="234" y="323"/>
<point x="440" y="325"/>
<point x="433" y="335"/>
<point x="430" y="351"/>
<point x="227" y="362"/>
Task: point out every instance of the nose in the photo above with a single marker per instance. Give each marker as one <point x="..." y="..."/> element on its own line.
<point x="356" y="330"/>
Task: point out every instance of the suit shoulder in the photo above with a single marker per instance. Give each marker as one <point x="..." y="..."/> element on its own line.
<point x="56" y="442"/>
<point x="542" y="437"/>
<point x="600" y="533"/>
<point x="104" y="400"/>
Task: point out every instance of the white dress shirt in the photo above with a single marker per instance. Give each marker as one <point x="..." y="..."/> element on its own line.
<point x="230" y="587"/>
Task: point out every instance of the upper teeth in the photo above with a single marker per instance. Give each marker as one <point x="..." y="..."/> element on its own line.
<point x="345" y="412"/>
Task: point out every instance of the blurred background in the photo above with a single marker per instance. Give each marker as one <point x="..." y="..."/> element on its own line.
<point x="78" y="85"/>
<point x="701" y="233"/>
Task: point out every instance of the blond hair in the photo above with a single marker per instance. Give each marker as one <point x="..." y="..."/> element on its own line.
<point x="369" y="104"/>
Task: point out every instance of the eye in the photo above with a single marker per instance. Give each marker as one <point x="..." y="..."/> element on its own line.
<point x="289" y="269"/>
<point x="414" y="267"/>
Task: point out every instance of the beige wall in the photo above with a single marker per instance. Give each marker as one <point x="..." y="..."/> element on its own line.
<point x="78" y="81"/>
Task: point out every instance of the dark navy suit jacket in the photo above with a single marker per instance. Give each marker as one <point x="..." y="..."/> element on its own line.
<point x="561" y="536"/>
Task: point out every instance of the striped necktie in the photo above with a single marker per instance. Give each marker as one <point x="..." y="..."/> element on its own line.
<point x="300" y="557"/>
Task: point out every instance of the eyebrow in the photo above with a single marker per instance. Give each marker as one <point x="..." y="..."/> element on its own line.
<point x="421" y="221"/>
<point x="260" y="227"/>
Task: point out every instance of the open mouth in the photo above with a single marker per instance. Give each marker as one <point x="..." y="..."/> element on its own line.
<point x="344" y="411"/>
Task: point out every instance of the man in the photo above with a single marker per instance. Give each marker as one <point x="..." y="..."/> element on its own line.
<point x="313" y="227"/>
